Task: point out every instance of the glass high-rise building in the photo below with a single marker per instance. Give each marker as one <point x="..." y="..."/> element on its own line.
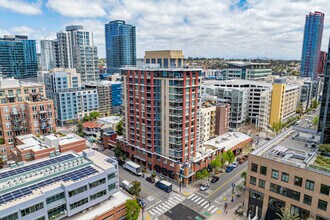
<point x="47" y="51"/>
<point x="120" y="41"/>
<point x="324" y="123"/>
<point x="312" y="44"/>
<point x="18" y="56"/>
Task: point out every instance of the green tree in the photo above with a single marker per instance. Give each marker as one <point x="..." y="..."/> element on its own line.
<point x="277" y="127"/>
<point x="86" y="118"/>
<point x="136" y="188"/>
<point x="69" y="122"/>
<point x="80" y="128"/>
<point x="315" y="121"/>
<point x="119" y="128"/>
<point x="118" y="152"/>
<point x="94" y="115"/>
<point x="202" y="174"/>
<point x="299" y="109"/>
<point x="287" y="215"/>
<point x="2" y="162"/>
<point x="230" y="156"/>
<point x="2" y="141"/>
<point x="244" y="176"/>
<point x="215" y="164"/>
<point x="315" y="103"/>
<point x="132" y="209"/>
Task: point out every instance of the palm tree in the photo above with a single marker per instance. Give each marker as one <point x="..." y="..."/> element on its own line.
<point x="287" y="215"/>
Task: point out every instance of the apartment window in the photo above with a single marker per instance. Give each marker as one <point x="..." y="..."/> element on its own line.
<point x="307" y="199"/>
<point x="295" y="195"/>
<point x="98" y="195"/>
<point x="298" y="181"/>
<point x="78" y="203"/>
<point x="112" y="186"/>
<point x="34" y="108"/>
<point x="275" y="174"/>
<point x="263" y="170"/>
<point x="301" y="213"/>
<point x="254" y="167"/>
<point x="77" y="191"/>
<point x="322" y="205"/>
<point x="13" y="216"/>
<point x="32" y="209"/>
<point x="309" y="185"/>
<point x="325" y="189"/>
<point x="285" y="177"/>
<point x="253" y="180"/>
<point x="262" y="183"/>
<point x="97" y="183"/>
<point x="41" y="218"/>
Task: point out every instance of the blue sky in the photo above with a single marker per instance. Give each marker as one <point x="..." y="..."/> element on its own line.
<point x="205" y="28"/>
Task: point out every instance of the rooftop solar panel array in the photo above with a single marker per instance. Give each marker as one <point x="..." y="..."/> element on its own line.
<point x="75" y="175"/>
<point x="35" y="166"/>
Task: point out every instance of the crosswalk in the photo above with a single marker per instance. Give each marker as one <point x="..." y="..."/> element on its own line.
<point x="203" y="203"/>
<point x="164" y="206"/>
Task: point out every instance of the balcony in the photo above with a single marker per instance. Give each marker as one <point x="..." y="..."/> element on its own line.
<point x="34" y="93"/>
<point x="42" y="111"/>
<point x="15" y="112"/>
<point x="16" y="120"/>
<point x="17" y="128"/>
<point x="43" y="119"/>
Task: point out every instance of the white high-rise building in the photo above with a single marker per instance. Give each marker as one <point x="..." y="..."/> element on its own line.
<point x="47" y="51"/>
<point x="75" y="49"/>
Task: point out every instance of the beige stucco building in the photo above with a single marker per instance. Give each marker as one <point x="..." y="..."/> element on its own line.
<point x="165" y="58"/>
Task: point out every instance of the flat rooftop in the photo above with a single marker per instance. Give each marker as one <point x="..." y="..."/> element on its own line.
<point x="237" y="82"/>
<point x="32" y="179"/>
<point x="110" y="120"/>
<point x="294" y="148"/>
<point x="242" y="63"/>
<point x="224" y="142"/>
<point x="157" y="68"/>
<point x="115" y="200"/>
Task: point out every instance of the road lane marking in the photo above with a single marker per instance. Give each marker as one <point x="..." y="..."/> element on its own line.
<point x="171" y="202"/>
<point x="151" y="212"/>
<point x="197" y="197"/>
<point x="156" y="211"/>
<point x="168" y="207"/>
<point x="207" y="205"/>
<point x="191" y="196"/>
<point x="227" y="182"/>
<point x="210" y="208"/>
<point x="200" y="201"/>
<point x="203" y="203"/>
<point x="153" y="205"/>
<point x="194" y="197"/>
<point x="214" y="210"/>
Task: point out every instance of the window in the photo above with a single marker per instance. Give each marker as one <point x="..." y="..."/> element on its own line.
<point x="55" y="198"/>
<point x="99" y="194"/>
<point x="309" y="185"/>
<point x="263" y="170"/>
<point x="77" y="191"/>
<point x="253" y="180"/>
<point x="275" y="174"/>
<point x="41" y="218"/>
<point x="97" y="183"/>
<point x="13" y="216"/>
<point x="298" y="181"/>
<point x="325" y="189"/>
<point x="307" y="199"/>
<point x="262" y="183"/>
<point x="301" y="213"/>
<point x="285" y="177"/>
<point x="78" y="203"/>
<point x="112" y="186"/>
<point x="32" y="209"/>
<point x="111" y="176"/>
<point x="322" y="205"/>
<point x="254" y="167"/>
<point x="295" y="195"/>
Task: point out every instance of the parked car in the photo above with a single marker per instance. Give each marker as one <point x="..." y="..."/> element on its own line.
<point x="141" y="203"/>
<point x="215" y="179"/>
<point x="229" y="169"/>
<point x="204" y="186"/>
<point x="150" y="179"/>
<point x="235" y="164"/>
<point x="241" y="160"/>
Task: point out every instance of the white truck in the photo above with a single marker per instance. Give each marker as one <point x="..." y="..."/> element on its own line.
<point x="126" y="185"/>
<point x="133" y="167"/>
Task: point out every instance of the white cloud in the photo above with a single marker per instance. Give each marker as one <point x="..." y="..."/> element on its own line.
<point x="212" y="28"/>
<point x="22" y="7"/>
<point x="78" y="8"/>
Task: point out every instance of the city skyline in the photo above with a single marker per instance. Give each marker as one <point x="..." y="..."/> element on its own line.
<point x="228" y="29"/>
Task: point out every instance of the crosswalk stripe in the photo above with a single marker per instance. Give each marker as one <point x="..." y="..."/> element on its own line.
<point x="207" y="205"/>
<point x="177" y="199"/>
<point x="200" y="201"/>
<point x="191" y="196"/>
<point x="210" y="208"/>
<point x="194" y="197"/>
<point x="161" y="208"/>
<point x="151" y="212"/>
<point x="171" y="202"/>
<point x="214" y="210"/>
<point x="156" y="211"/>
<point x="166" y="206"/>
<point x="203" y="203"/>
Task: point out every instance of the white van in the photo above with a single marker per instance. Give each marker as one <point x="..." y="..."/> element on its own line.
<point x="133" y="167"/>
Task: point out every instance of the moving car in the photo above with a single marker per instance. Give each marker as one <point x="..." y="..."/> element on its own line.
<point x="215" y="179"/>
<point x="141" y="203"/>
<point x="150" y="179"/>
<point x="204" y="186"/>
<point x="164" y="185"/>
<point x="229" y="169"/>
<point x="133" y="168"/>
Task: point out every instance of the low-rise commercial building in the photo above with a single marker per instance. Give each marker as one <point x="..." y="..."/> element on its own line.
<point x="290" y="174"/>
<point x="24" y="109"/>
<point x="68" y="186"/>
<point x="31" y="147"/>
